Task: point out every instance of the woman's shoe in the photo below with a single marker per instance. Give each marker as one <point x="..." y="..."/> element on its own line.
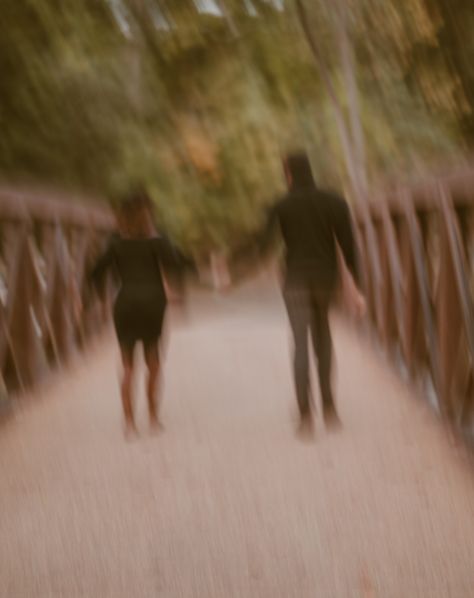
<point x="155" y="425"/>
<point x="130" y="430"/>
<point x="305" y="429"/>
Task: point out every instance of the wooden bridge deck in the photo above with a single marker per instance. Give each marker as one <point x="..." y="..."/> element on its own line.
<point x="227" y="502"/>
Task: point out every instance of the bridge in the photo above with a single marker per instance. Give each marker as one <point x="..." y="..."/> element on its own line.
<point x="227" y="502"/>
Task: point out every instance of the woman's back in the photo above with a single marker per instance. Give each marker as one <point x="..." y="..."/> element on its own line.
<point x="138" y="262"/>
<point x="141" y="301"/>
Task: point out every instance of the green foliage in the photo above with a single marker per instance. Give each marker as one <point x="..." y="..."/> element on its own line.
<point x="101" y="94"/>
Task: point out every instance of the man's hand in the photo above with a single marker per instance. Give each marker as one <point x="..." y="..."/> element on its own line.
<point x="360" y="306"/>
<point x="353" y="299"/>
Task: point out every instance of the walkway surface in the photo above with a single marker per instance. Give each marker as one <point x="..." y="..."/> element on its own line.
<point x="227" y="502"/>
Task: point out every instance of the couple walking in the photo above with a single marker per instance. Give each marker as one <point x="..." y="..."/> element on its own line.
<point x="312" y="223"/>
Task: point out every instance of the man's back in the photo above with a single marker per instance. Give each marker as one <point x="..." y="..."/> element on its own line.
<point x="310" y="221"/>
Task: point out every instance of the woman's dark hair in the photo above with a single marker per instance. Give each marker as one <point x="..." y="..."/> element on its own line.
<point x="299" y="168"/>
<point x="134" y="215"/>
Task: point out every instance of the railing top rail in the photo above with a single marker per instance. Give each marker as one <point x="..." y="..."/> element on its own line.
<point x="18" y="205"/>
<point x="423" y="193"/>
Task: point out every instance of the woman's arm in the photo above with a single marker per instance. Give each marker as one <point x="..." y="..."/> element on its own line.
<point x="171" y="259"/>
<point x="173" y="266"/>
<point x="250" y="255"/>
<point x="101" y="266"/>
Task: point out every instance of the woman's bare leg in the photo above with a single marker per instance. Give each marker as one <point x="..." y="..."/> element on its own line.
<point x="153" y="363"/>
<point x="127" y="361"/>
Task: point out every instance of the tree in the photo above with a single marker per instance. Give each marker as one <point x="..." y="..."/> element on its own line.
<point x="198" y="100"/>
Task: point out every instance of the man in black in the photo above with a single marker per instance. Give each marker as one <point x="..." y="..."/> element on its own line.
<point x="311" y="221"/>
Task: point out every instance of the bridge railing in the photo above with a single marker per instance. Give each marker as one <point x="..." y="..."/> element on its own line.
<point x="417" y="263"/>
<point x="47" y="309"/>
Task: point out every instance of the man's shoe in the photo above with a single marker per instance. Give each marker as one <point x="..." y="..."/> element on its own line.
<point x="331" y="418"/>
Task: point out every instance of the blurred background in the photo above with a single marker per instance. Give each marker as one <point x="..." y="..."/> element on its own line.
<point x="198" y="99"/>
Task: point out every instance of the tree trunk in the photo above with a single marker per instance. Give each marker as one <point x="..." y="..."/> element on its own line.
<point x="350" y="77"/>
<point x="343" y="129"/>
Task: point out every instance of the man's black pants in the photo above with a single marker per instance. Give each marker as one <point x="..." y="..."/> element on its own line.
<point x="308" y="314"/>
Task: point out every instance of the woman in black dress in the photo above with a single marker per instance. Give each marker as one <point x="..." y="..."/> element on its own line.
<point x="139" y="258"/>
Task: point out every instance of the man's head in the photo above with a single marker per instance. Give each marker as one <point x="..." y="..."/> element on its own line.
<point x="298" y="170"/>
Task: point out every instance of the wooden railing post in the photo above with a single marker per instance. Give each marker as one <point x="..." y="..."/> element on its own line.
<point x="395" y="272"/>
<point x="373" y="263"/>
<point x="24" y="326"/>
<point x="44" y="248"/>
<point x="456" y="310"/>
<point x="411" y="320"/>
<point x="60" y="310"/>
<point x="430" y="313"/>
<point x="449" y="323"/>
<point x="430" y="332"/>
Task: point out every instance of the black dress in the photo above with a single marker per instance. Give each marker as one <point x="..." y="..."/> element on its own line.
<point x="140" y="305"/>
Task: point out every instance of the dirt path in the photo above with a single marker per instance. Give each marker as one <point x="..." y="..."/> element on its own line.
<point x="227" y="503"/>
